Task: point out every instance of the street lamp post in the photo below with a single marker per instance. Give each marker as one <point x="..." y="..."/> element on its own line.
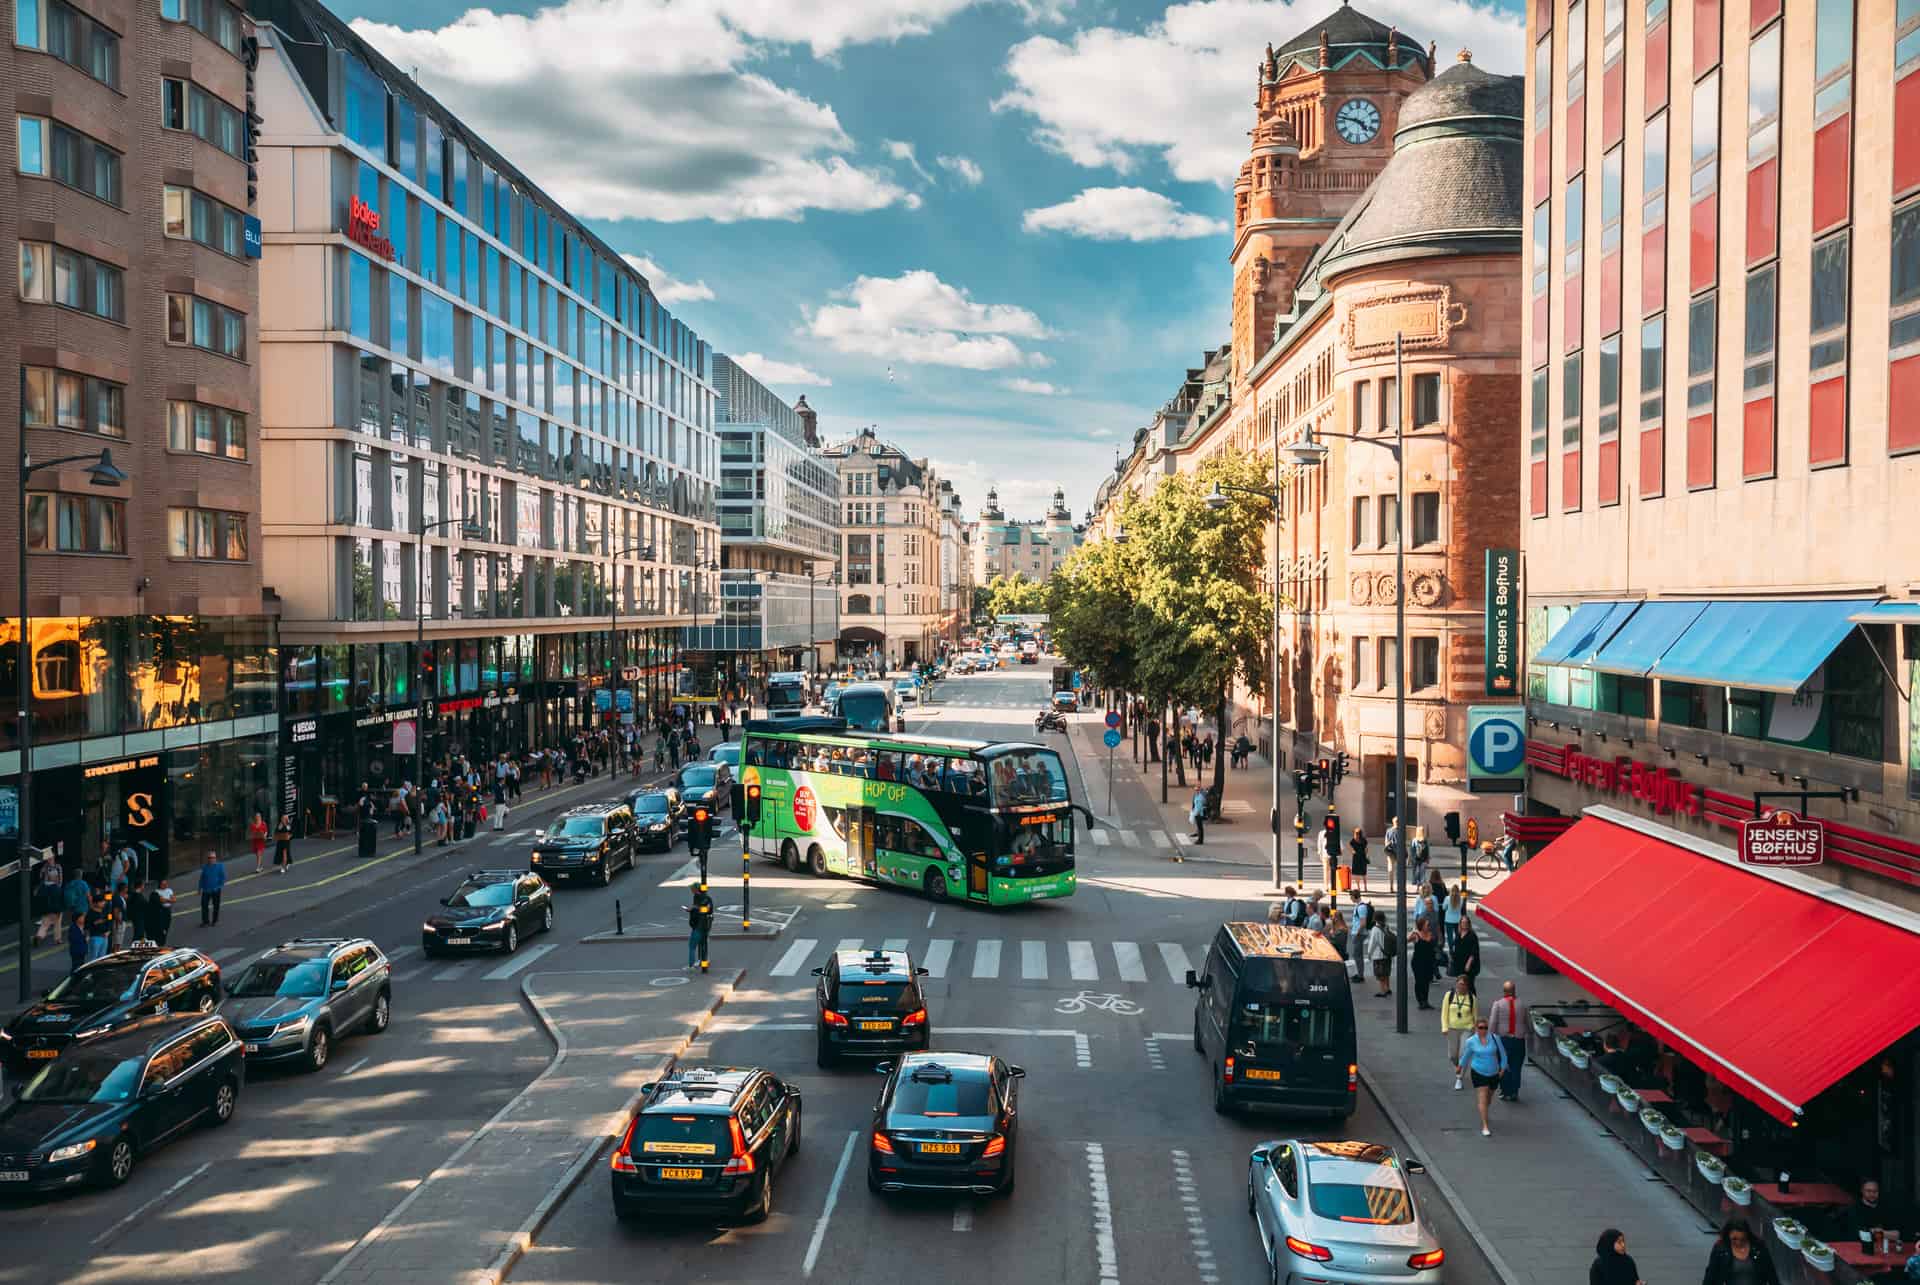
<point x="472" y="530"/>
<point x="645" y="550"/>
<point x="102" y="473"/>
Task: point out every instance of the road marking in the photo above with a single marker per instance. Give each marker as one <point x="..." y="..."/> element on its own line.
<point x="1155" y="1058"/>
<point x="518" y="962"/>
<point x="1033" y="960"/>
<point x="986" y="957"/>
<point x="848" y="943"/>
<point x="939" y="951"/>
<point x="796" y="956"/>
<point x="1126" y="956"/>
<point x="113" y="1231"/>
<point x="1103" y="1242"/>
<point x="1161" y="839"/>
<point x="356" y="1066"/>
<point x="1196" y="1223"/>
<point x="225" y="952"/>
<point x="930" y="915"/>
<point x="826" y="1214"/>
<point x="1080" y="961"/>
<point x="455" y="973"/>
<point x="1128" y="839"/>
<point x="894" y="943"/>
<point x="1082" y="1051"/>
<point x="736" y="1027"/>
<point x="1174" y="956"/>
<point x="1101" y="838"/>
<point x="394" y="957"/>
<point x="963" y="1217"/>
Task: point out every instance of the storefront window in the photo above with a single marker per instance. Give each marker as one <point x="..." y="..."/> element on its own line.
<point x="336" y="677"/>
<point x="367" y="693"/>
<point x="1856" y="694"/>
<point x="1687" y="704"/>
<point x="1617" y="694"/>
<point x="469" y="666"/>
<point x="300" y="678"/>
<point x="164" y="688"/>
<point x="397" y="666"/>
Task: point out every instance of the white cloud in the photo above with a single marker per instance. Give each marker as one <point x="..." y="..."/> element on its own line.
<point x="903" y="152"/>
<point x="668" y="288"/>
<point x="916" y="318"/>
<point x="1180" y="88"/>
<point x="1035" y="387"/>
<point x="962" y="168"/>
<point x="769" y="371"/>
<point x="1122" y="214"/>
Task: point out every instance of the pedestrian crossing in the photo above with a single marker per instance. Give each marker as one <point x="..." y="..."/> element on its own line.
<point x="1107" y="836"/>
<point x="1031" y="961"/>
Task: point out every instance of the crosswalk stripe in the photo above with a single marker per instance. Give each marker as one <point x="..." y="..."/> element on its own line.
<point x="939" y="951"/>
<point x="986" y="957"/>
<point x="894" y="943"/>
<point x="515" y="964"/>
<point x="453" y="973"/>
<point x="1080" y="961"/>
<point x="848" y="943"/>
<point x="1101" y="838"/>
<point x="1126" y="955"/>
<point x="796" y="956"/>
<point x="1174" y="956"/>
<point x="1160" y="839"/>
<point x="396" y="956"/>
<point x="1033" y="960"/>
<point x="1129" y="839"/>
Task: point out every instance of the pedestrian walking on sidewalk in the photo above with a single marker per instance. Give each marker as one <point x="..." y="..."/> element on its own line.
<point x="1738" y="1258"/>
<point x="213" y="880"/>
<point x="699" y="924"/>
<point x="48" y="899"/>
<point x="1357" y="846"/>
<point x="76" y="942"/>
<point x="1485" y="1059"/>
<point x="1466" y="954"/>
<point x="1508" y="1017"/>
<point x="162" y="912"/>
<point x="99" y="926"/>
<point x="1458" y="1012"/>
<point x="1380" y="948"/>
<point x="1612" y="1264"/>
<point x="1197" y="813"/>
<point x="1360" y="917"/>
<point x="257" y="840"/>
<point x="283" y="844"/>
<point x="1456" y="911"/>
<point x="1153" y="740"/>
<point x="1421" y="959"/>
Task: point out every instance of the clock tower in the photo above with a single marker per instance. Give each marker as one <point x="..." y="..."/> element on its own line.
<point x="1326" y="108"/>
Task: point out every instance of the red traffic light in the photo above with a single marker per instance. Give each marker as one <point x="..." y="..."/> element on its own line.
<point x="1333" y="824"/>
<point x="700" y="814"/>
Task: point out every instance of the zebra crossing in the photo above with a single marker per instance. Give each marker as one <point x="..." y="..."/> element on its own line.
<point x="1107" y="836"/>
<point x="1031" y="961"/>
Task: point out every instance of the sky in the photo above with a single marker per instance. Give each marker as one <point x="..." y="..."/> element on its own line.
<point x="996" y="230"/>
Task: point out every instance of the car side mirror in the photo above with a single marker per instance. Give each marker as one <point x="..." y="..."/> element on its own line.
<point x="819" y="972"/>
<point x="883" y="1068"/>
<point x="446" y="901"/>
<point x="1262" y="1154"/>
<point x="1017" y="1072"/>
<point x="1411" y="1165"/>
<point x="1193" y="980"/>
<point x="341" y="983"/>
<point x="922" y="972"/>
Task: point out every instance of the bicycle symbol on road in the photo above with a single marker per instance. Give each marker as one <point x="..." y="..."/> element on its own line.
<point x="1087" y="1000"/>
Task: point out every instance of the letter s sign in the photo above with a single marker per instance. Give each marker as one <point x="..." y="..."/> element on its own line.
<point x="139" y="810"/>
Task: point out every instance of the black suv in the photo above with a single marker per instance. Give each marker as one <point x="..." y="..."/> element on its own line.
<point x="490" y="910"/>
<point x="293" y="1002"/>
<point x="92" y="1112"/>
<point x="586" y="843"/>
<point x="869" y="1002"/>
<point x="706" y="1142"/>
<point x="658" y="819"/>
<point x="946" y="1122"/>
<point x="105" y="995"/>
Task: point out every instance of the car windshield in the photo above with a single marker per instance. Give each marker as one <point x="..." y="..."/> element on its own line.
<point x="482" y="896"/>
<point x="728" y="754"/>
<point x="1028" y="776"/>
<point x="79" y="1076"/>
<point x="576" y="828"/>
<point x="861" y="995"/>
<point x="865" y="711"/>
<point x="784" y="697"/>
<point x="697" y="778"/>
<point x="962" y="1094"/>
<point x="286" y="978"/>
<point x="665" y="1135"/>
<point x="98" y="984"/>
<point x="652" y="803"/>
<point x="1378" y="1197"/>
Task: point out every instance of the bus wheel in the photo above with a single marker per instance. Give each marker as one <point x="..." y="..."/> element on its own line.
<point x="790" y="855"/>
<point x="936" y="885"/>
<point x="817" y="861"/>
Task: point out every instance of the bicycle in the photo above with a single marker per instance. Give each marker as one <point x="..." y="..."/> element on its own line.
<point x="1494" y="859"/>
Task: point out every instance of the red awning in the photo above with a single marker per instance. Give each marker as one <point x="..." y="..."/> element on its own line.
<point x="1779" y="991"/>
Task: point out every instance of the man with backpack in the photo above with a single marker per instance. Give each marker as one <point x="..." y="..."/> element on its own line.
<point x="1382" y="946"/>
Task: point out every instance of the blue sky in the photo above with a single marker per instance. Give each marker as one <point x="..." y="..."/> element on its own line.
<point x="996" y="229"/>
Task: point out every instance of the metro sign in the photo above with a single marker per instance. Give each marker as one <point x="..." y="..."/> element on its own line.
<point x="363" y="228"/>
<point x="1782" y="839"/>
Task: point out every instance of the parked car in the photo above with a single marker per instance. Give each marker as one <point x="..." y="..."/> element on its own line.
<point x="490" y="910"/>
<point x="706" y="1142"/>
<point x="297" y="999"/>
<point x="586" y="843"/>
<point x="1339" y="1210"/>
<point x="107" y="994"/>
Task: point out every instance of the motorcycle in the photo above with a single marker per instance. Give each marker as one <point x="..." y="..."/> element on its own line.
<point x="1049" y="720"/>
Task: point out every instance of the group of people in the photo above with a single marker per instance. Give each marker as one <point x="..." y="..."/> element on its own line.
<point x="103" y="908"/>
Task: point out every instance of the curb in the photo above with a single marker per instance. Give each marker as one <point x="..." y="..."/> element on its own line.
<point x="1446" y="1189"/>
<point x="615" y="939"/>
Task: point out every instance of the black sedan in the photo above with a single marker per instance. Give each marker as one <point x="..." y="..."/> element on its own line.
<point x="107" y="994"/>
<point x="705" y="783"/>
<point x="658" y="819"/>
<point x="92" y="1113"/>
<point x="490" y="910"/>
<point x="706" y="1144"/>
<point x="945" y="1122"/>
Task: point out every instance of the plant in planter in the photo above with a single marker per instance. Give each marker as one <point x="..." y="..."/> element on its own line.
<point x="1579" y="1057"/>
<point x="1629" y="1101"/>
<point x="1711" y="1167"/>
<point x="1738" y="1190"/>
<point x="1819" y="1255"/>
<point x="1792" y="1234"/>
<point x="1672" y="1138"/>
<point x="1611" y="1084"/>
<point x="1542" y="1027"/>
<point x="1652" y="1119"/>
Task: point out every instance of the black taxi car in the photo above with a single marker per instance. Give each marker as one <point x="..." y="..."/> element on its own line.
<point x="706" y="1143"/>
<point x="946" y="1122"/>
<point x="869" y="1003"/>
<point x="658" y="819"/>
<point x="93" y="1112"/>
<point x="490" y="910"/>
<point x="105" y="995"/>
<point x="587" y="843"/>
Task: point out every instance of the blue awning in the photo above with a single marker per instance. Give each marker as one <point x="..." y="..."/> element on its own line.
<point x="1904" y="612"/>
<point x="1769" y="645"/>
<point x="1590" y="625"/>
<point x="1645" y="637"/>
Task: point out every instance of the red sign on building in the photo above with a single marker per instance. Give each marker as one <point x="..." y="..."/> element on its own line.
<point x="1782" y="839"/>
<point x="363" y="228"/>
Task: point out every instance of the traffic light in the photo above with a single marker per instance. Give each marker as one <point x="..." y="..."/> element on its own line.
<point x="700" y="832"/>
<point x="1326" y="777"/>
<point x="429" y="672"/>
<point x="1333" y="828"/>
<point x="1301" y="784"/>
<point x="1340" y="767"/>
<point x="1307" y="777"/>
<point x="1452" y="820"/>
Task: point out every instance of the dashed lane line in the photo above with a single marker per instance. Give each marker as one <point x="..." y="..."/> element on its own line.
<point x="826" y="1213"/>
<point x="1196" y="1221"/>
<point x="1104" y="1249"/>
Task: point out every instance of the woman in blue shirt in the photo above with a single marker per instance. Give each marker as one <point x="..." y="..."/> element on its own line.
<point x="1485" y="1058"/>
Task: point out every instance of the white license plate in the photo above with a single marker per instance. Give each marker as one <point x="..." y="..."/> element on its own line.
<point x="459" y="941"/>
<point x="13" y="1175"/>
<point x="250" y="1048"/>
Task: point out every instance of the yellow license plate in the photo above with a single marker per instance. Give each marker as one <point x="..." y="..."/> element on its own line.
<point x="684" y="1175"/>
<point x="1256" y="1073"/>
<point x="940" y="1148"/>
<point x="33" y="1054"/>
<point x="876" y="1026"/>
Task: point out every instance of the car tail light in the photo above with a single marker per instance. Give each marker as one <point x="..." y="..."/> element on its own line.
<point x="742" y="1161"/>
<point x="832" y="1018"/>
<point x="623" y="1154"/>
<point x="1227" y="1074"/>
<point x="918" y="1017"/>
<point x="1353" y="1077"/>
<point x="882" y="1143"/>
<point x="1429" y="1258"/>
<point x="995" y="1146"/>
<point x="1306" y="1249"/>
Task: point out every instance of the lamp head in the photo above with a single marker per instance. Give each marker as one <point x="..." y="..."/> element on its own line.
<point x="472" y="530"/>
<point x="1120" y="535"/>
<point x="1216" y="498"/>
<point x="102" y="471"/>
<point x="1307" y="451"/>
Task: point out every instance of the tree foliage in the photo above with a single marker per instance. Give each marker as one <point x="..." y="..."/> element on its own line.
<point x="1017" y="595"/>
<point x="1094" y="604"/>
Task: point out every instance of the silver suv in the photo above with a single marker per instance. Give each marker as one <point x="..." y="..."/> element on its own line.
<point x="293" y="1002"/>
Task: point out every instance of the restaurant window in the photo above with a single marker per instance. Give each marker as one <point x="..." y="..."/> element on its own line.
<point x="1757" y="445"/>
<point x="206" y="430"/>
<point x="76" y="524"/>
<point x="1572" y="409"/>
<point x="1362" y="521"/>
<point x="201" y="323"/>
<point x="195" y="216"/>
<point x="1426" y="517"/>
<point x="1687" y="704"/>
<point x="1426" y="399"/>
<point x="1827" y="355"/>
<point x="51" y="398"/>
<point x="207" y="535"/>
<point x="49" y="149"/>
<point x="1702" y="333"/>
<point x="54" y="274"/>
<point x="1423" y="663"/>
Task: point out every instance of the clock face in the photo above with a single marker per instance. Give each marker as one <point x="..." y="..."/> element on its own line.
<point x="1358" y="120"/>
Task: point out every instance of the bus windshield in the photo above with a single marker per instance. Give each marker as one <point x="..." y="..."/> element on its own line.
<point x="1024" y="777"/>
<point x="1034" y="845"/>
<point x="865" y="709"/>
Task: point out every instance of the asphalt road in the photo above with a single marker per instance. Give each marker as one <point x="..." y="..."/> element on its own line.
<point x="1127" y="1174"/>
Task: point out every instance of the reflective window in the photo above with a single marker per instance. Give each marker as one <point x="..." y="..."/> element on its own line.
<point x="207" y="535"/>
<point x="201" y="323"/>
<point x="76" y="524"/>
<point x="366" y="107"/>
<point x="52" y="398"/>
<point x="186" y="106"/>
<point x="196" y="216"/>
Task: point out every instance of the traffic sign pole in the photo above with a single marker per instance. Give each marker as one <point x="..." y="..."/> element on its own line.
<point x="1112" y="738"/>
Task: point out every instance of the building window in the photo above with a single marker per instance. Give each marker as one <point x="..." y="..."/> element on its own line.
<point x="214" y="19"/>
<point x="1653" y="384"/>
<point x="57" y="275"/>
<point x="1702" y="332"/>
<point x="1576" y="60"/>
<point x="1827" y="358"/>
<point x="1361" y="648"/>
<point x="62" y="399"/>
<point x="1653" y="215"/>
<point x="1537" y="444"/>
<point x="1571" y="408"/>
<point x="1704" y="228"/>
<point x="1363" y="406"/>
<point x="201" y="323"/>
<point x="1388" y="671"/>
<point x="51" y="150"/>
<point x="76" y="524"/>
<point x="1612" y="184"/>
<point x="1903" y="420"/>
<point x="207" y="535"/>
<point x="1607" y="429"/>
<point x="186" y="106"/>
<point x="1426" y="400"/>
<point x="1757" y="447"/>
<point x="1763" y="144"/>
<point x="1423" y="663"/>
<point x="69" y="35"/>
<point x="206" y="430"/>
<point x="1390" y="405"/>
<point x="196" y="216"/>
<point x="1362" y="520"/>
<point x="1389" y="520"/>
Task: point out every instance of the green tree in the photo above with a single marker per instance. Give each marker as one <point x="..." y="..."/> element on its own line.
<point x="1093" y="612"/>
<point x="1016" y="595"/>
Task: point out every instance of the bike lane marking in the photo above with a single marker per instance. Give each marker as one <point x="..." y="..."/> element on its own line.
<point x="1103" y="1239"/>
<point x="1082" y="1051"/>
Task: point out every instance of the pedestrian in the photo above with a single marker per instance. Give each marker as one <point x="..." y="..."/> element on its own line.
<point x="1612" y="1264"/>
<point x="1485" y="1059"/>
<point x="1337" y="930"/>
<point x="1357" y="846"/>
<point x="76" y="942"/>
<point x="117" y="906"/>
<point x="162" y="908"/>
<point x="49" y="897"/>
<point x="283" y="844"/>
<point x="442" y="827"/>
<point x="513" y="779"/>
<point x="138" y="911"/>
<point x="75" y="896"/>
<point x="257" y="840"/>
<point x="1738" y="1259"/>
<point x="213" y="879"/>
<point x="1360" y="916"/>
<point x="397" y="809"/>
<point x="99" y="925"/>
<point x="369" y="832"/>
<point x="1380" y="954"/>
<point x="1153" y="740"/>
<point x="1422" y="959"/>
<point x="1456" y="911"/>
<point x="1508" y="1020"/>
<point x="700" y="924"/>
<point x="1466" y="954"/>
<point x="1393" y="840"/>
<point x="1293" y="910"/>
<point x="1458" y="1012"/>
<point x="1197" y="813"/>
<point x="1422" y="858"/>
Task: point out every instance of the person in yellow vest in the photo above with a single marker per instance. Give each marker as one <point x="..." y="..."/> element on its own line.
<point x="1458" y="1013"/>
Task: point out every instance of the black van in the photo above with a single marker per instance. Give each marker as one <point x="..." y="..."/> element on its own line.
<point x="1274" y="1019"/>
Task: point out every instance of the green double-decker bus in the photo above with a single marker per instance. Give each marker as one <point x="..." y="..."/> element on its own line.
<point x="959" y="820"/>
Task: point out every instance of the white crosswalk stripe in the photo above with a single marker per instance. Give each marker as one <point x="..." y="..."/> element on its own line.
<point x="516" y="963"/>
<point x="1080" y="961"/>
<point x="939" y="951"/>
<point x="400" y="955"/>
<point x="986" y="957"/>
<point x="848" y="943"/>
<point x="1101" y="838"/>
<point x="455" y="972"/>
<point x="796" y="956"/>
<point x="1160" y="839"/>
<point x="1175" y="958"/>
<point x="1126" y="956"/>
<point x="1033" y="960"/>
<point x="1129" y="839"/>
<point x="501" y="840"/>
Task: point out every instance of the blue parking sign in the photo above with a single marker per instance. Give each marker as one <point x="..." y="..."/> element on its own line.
<point x="1496" y="746"/>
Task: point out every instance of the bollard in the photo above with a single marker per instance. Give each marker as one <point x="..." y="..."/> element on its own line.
<point x="619" y="929"/>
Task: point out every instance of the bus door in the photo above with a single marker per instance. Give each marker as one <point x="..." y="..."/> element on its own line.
<point x="863" y="855"/>
<point x="977" y="876"/>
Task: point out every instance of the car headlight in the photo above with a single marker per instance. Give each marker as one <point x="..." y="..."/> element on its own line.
<point x="658" y="825"/>
<point x="91" y="1031"/>
<point x="493" y="927"/>
<point x="537" y="857"/>
<point x="429" y="928"/>
<point x="293" y="1025"/>
<point x="74" y="1152"/>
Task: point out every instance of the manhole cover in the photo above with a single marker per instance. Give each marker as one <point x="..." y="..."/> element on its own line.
<point x="667" y="981"/>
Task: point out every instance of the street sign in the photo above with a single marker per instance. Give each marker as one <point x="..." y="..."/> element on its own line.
<point x="1113" y="718"/>
<point x="1496" y="747"/>
<point x="1782" y="839"/>
<point x="1112" y="738"/>
<point x="1501" y="623"/>
<point x="1077" y="680"/>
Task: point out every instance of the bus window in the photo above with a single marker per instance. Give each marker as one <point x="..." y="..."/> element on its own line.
<point x="1028" y="777"/>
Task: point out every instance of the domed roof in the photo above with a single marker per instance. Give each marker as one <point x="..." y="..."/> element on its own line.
<point x="1348" y="31"/>
<point x="1463" y="90"/>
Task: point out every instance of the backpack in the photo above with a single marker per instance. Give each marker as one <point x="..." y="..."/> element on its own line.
<point x="1389" y="942"/>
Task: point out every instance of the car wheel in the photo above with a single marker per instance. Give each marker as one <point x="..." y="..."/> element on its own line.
<point x="1220" y="1103"/>
<point x="793" y="1146"/>
<point x="817" y="861"/>
<point x="225" y="1098"/>
<point x="790" y="855"/>
<point x="606" y="874"/>
<point x="823" y="1053"/>
<point x="205" y="1002"/>
<point x="546" y="919"/>
<point x="873" y="1182"/>
<point x="936" y="886"/>
<point x="119" y="1165"/>
<point x="512" y="942"/>
<point x="763" y="1206"/>
<point x="319" y="1048"/>
<point x="382" y="1016"/>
